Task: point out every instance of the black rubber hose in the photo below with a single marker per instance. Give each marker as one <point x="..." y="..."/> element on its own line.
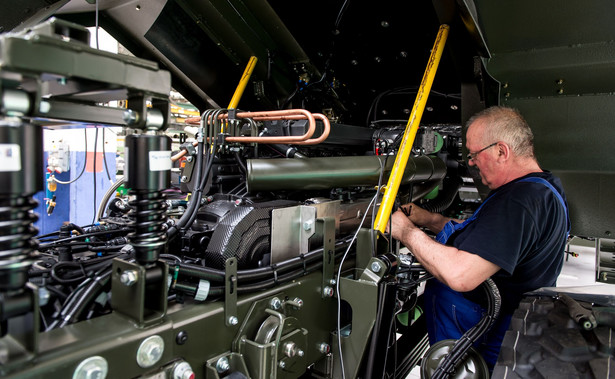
<point x="172" y="231"/>
<point x="446" y="198"/>
<point x="90" y="293"/>
<point x="494" y="302"/>
<point x="262" y="273"/>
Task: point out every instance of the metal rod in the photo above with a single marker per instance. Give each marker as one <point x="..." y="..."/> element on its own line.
<point x="243" y="83"/>
<point x="384" y="212"/>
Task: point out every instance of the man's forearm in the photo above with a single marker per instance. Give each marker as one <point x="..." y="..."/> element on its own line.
<point x="460" y="270"/>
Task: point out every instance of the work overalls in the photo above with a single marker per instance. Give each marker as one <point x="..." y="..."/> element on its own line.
<point x="450" y="314"/>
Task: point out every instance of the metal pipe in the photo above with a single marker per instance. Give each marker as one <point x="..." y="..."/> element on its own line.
<point x="288" y="114"/>
<point x="382" y="217"/>
<point x="332" y="172"/>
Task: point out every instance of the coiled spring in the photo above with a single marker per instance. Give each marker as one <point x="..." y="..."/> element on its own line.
<point x="17" y="243"/>
<point x="149" y="237"/>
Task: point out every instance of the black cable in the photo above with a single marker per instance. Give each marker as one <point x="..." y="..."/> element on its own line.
<point x="85" y="161"/>
<point x="94" y="174"/>
<point x="105" y="157"/>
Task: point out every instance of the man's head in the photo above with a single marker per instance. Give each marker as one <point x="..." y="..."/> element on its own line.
<point x="500" y="145"/>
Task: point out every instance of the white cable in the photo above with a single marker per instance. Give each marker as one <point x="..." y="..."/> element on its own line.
<point x="337" y="284"/>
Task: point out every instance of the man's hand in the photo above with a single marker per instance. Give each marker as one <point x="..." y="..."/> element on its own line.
<point x="421" y="217"/>
<point x="400" y="225"/>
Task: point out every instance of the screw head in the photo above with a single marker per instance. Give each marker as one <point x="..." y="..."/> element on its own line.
<point x="324" y="348"/>
<point x="282" y="364"/>
<point x="92" y="368"/>
<point x="328" y="291"/>
<point x="275" y="303"/>
<point x="298" y="301"/>
<point x="129" y="277"/>
<point x="376" y="266"/>
<point x="150" y="351"/>
<point x="307" y="226"/>
<point x="222" y="365"/>
<point x="233" y="320"/>
<point x="184" y="179"/>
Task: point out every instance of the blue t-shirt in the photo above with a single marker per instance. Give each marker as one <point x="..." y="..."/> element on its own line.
<point x="522" y="228"/>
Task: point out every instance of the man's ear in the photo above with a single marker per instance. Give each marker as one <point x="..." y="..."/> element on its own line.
<point x="504" y="151"/>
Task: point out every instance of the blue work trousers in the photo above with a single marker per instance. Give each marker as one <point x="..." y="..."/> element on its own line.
<point x="450" y="315"/>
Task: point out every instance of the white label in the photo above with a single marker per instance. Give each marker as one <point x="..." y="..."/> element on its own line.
<point x="10" y="157"/>
<point x="160" y="160"/>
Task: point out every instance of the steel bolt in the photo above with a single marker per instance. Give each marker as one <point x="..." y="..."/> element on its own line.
<point x="307" y="226"/>
<point x="130" y="117"/>
<point x="222" y="365"/>
<point x="233" y="320"/>
<point x="324" y="348"/>
<point x="183" y="371"/>
<point x="282" y="364"/>
<point x="184" y="179"/>
<point x="328" y="291"/>
<point x="129" y="277"/>
<point x="92" y="368"/>
<point x="298" y="302"/>
<point x="332" y="282"/>
<point x="275" y="303"/>
<point x="376" y="266"/>
<point x="150" y="351"/>
<point x="290" y="349"/>
<point x="188" y="159"/>
<point x="300" y="352"/>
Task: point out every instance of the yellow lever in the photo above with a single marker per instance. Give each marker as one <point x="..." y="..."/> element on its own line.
<point x="386" y="206"/>
<point x="243" y="83"/>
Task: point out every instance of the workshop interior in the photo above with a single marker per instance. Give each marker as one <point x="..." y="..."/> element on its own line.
<point x="210" y="200"/>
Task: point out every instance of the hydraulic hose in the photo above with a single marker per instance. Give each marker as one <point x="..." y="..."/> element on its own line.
<point x="172" y="231"/>
<point x="246" y="276"/>
<point x="447" y="366"/>
<point x="446" y="198"/>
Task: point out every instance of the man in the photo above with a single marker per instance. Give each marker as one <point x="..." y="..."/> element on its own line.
<point x="517" y="237"/>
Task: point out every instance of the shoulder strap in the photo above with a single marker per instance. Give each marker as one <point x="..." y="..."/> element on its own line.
<point x="534" y="179"/>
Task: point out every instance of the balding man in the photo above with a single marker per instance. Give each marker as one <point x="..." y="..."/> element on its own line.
<point x="517" y="236"/>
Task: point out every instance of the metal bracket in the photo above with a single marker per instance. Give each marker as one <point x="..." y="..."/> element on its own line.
<point x="139" y="293"/>
<point x="326" y="228"/>
<point x="230" y="292"/>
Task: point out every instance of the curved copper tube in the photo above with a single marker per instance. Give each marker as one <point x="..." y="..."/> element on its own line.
<point x="290" y="114"/>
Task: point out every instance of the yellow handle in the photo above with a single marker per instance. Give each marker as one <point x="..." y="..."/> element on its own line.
<point x="386" y="206"/>
<point x="243" y="83"/>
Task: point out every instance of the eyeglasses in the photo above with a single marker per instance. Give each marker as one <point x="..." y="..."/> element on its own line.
<point x="471" y="156"/>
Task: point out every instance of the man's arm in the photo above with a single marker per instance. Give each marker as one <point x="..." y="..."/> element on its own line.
<point x="421" y="217"/>
<point x="460" y="270"/>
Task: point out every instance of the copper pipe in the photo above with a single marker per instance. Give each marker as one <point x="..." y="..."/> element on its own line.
<point x="290" y="114"/>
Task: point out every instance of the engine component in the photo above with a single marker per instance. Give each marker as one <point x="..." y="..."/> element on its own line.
<point x="326" y="173"/>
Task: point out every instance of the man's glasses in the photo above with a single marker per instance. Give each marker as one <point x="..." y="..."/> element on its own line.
<point x="471" y="156"/>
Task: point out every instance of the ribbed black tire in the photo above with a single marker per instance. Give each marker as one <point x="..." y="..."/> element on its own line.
<point x="543" y="341"/>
